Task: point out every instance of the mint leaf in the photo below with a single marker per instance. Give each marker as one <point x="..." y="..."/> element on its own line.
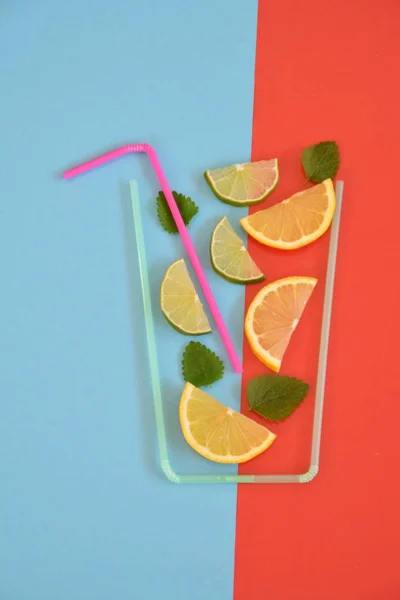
<point x="275" y="397"/>
<point x="187" y="208"/>
<point x="321" y="161"/>
<point x="200" y="366"/>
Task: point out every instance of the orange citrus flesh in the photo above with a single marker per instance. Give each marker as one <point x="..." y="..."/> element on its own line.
<point x="273" y="316"/>
<point x="294" y="222"/>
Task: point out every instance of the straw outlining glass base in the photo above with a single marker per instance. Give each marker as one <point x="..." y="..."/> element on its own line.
<point x="155" y="377"/>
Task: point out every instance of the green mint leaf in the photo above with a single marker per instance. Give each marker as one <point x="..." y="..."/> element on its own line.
<point x="187" y="208"/>
<point x="200" y="366"/>
<point x="275" y="397"/>
<point x="321" y="161"/>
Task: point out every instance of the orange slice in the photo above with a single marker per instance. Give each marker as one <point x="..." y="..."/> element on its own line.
<point x="294" y="222"/>
<point x="273" y="316"/>
<point x="217" y="432"/>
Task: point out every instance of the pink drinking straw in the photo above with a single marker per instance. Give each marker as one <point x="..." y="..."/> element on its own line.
<point x="187" y="242"/>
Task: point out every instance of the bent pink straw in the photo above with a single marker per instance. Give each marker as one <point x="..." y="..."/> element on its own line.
<point x="187" y="242"/>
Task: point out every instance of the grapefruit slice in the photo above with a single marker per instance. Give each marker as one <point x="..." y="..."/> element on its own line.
<point x="273" y="316"/>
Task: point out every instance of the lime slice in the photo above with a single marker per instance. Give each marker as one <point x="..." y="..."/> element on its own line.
<point x="246" y="183"/>
<point x="229" y="256"/>
<point x="180" y="302"/>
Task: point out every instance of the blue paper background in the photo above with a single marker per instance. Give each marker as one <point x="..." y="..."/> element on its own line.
<point x="84" y="510"/>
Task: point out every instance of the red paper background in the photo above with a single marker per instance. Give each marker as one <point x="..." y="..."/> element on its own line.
<point x="330" y="70"/>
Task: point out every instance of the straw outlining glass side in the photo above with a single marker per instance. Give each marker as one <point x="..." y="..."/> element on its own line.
<point x="186" y="239"/>
<point x="155" y="377"/>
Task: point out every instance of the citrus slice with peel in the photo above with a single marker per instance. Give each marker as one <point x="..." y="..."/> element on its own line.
<point x="217" y="432"/>
<point x="273" y="316"/>
<point x="244" y="183"/>
<point x="229" y="256"/>
<point x="180" y="303"/>
<point x="294" y="222"/>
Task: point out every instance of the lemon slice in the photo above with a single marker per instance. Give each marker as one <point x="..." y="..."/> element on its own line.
<point x="294" y="222"/>
<point x="273" y="316"/>
<point x="245" y="183"/>
<point x="217" y="432"/>
<point x="180" y="302"/>
<point x="229" y="256"/>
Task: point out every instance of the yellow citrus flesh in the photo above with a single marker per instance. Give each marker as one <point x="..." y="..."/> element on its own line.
<point x="180" y="302"/>
<point x="273" y="316"/>
<point x="245" y="183"/>
<point x="217" y="432"/>
<point x="294" y="222"/>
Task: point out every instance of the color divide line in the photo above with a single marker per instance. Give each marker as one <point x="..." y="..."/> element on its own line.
<point x="186" y="239"/>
